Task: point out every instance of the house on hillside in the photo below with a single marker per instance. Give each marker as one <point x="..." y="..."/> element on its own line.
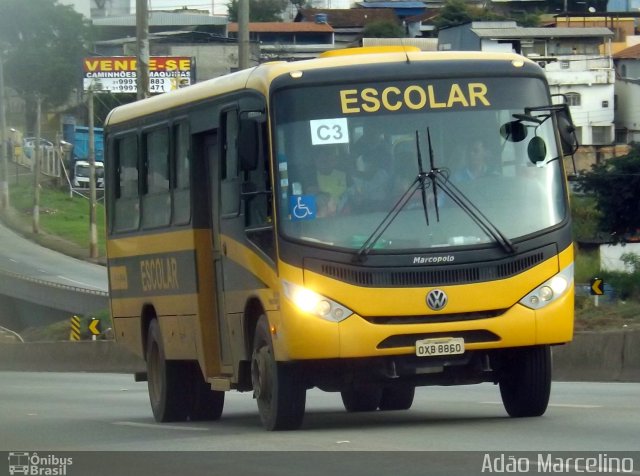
<point x="347" y="24"/>
<point x="402" y="8"/>
<point x="288" y="41"/>
<point x="627" y="94"/>
<point x="578" y="64"/>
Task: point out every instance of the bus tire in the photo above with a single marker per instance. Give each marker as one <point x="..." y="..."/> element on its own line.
<point x="399" y="397"/>
<point x="167" y="380"/>
<point x="525" y="381"/>
<point x="277" y="388"/>
<point x="364" y="398"/>
<point x="205" y="404"/>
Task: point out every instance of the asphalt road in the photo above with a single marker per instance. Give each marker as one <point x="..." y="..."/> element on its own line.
<point x="20" y="256"/>
<point x="104" y="422"/>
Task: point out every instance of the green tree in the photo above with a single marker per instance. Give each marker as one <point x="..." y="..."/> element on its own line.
<point x="383" y="29"/>
<point x="615" y="183"/>
<point x="528" y="19"/>
<point x="43" y="43"/>
<point x="454" y="12"/>
<point x="259" y="10"/>
<point x="458" y="12"/>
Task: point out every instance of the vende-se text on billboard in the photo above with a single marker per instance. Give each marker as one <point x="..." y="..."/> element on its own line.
<point x="117" y="74"/>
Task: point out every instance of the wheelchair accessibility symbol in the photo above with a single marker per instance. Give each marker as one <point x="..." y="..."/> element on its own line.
<point x="302" y="207"/>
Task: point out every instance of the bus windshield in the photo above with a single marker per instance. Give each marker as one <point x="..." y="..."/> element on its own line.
<point x="346" y="155"/>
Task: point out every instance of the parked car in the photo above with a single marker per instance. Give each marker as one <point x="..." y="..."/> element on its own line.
<point x="28" y="145"/>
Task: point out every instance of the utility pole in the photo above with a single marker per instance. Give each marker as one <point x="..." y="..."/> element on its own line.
<point x="243" y="34"/>
<point x="93" y="230"/>
<point x="36" y="169"/>
<point x="142" y="63"/>
<point x="4" y="182"/>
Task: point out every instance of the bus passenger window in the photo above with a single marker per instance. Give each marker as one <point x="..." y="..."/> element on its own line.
<point x="127" y="201"/>
<point x="156" y="203"/>
<point x="182" y="164"/>
<point x="230" y="162"/>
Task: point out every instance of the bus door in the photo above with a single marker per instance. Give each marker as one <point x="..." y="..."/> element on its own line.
<point x="226" y="221"/>
<point x="210" y="152"/>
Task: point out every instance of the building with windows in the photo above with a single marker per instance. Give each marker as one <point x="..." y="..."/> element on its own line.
<point x="627" y="92"/>
<point x="578" y="64"/>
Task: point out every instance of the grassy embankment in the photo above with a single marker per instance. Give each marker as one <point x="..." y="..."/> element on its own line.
<point x="64" y="219"/>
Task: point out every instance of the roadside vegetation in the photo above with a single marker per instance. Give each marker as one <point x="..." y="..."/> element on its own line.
<point x="64" y="219"/>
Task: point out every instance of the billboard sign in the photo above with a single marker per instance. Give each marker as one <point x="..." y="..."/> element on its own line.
<point x="117" y="74"/>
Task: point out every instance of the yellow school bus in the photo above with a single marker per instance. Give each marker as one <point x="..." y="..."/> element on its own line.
<point x="366" y="222"/>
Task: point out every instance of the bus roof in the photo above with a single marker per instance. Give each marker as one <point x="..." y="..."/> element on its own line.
<point x="259" y="77"/>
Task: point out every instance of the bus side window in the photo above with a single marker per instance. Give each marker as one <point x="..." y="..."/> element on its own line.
<point x="127" y="200"/>
<point x="182" y="166"/>
<point x="156" y="202"/>
<point x="257" y="183"/>
<point x="229" y="177"/>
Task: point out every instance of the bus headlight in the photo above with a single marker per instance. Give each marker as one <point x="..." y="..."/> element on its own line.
<point x="314" y="303"/>
<point x="550" y="290"/>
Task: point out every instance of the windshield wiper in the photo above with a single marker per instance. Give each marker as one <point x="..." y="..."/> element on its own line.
<point x="435" y="177"/>
<point x="419" y="182"/>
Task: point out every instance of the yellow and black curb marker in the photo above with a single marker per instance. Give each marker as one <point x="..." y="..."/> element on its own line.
<point x="597" y="287"/>
<point x="75" y="328"/>
<point x="94" y="327"/>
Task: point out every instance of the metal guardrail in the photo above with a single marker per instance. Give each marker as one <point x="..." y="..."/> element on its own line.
<point x="42" y="282"/>
<point x="9" y="331"/>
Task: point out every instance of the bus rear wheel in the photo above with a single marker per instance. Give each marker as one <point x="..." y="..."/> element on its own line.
<point x="399" y="397"/>
<point x="277" y="388"/>
<point x="525" y="381"/>
<point x="165" y="379"/>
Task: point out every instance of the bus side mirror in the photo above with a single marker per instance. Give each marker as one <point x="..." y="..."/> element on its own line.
<point x="513" y="131"/>
<point x="249" y="143"/>
<point x="537" y="150"/>
<point x="567" y="131"/>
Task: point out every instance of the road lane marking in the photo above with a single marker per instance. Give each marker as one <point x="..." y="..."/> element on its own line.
<point x="560" y="405"/>
<point x="157" y="426"/>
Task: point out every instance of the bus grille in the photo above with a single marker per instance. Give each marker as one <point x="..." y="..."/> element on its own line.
<point x="426" y="276"/>
<point x="434" y="318"/>
<point x="409" y="340"/>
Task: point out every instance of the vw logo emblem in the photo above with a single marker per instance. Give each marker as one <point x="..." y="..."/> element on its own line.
<point x="437" y="299"/>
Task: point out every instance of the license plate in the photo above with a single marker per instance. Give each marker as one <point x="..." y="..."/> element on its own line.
<point x="445" y="346"/>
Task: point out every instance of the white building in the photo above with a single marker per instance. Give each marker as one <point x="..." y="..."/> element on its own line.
<point x="99" y="8"/>
<point x="627" y="91"/>
<point x="577" y="61"/>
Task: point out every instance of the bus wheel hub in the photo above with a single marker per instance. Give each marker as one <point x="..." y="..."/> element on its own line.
<point x="261" y="373"/>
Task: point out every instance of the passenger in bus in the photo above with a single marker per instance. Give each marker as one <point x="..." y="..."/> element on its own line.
<point x="476" y="163"/>
<point x="330" y="181"/>
<point x="369" y="183"/>
<point x="405" y="172"/>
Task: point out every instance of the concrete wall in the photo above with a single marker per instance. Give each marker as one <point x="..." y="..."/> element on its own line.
<point x="592" y="356"/>
<point x="610" y="256"/>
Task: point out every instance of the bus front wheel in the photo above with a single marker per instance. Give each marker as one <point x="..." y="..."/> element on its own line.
<point x="362" y="398"/>
<point x="525" y="381"/>
<point x="165" y="379"/>
<point x="397" y="398"/>
<point x="276" y="386"/>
